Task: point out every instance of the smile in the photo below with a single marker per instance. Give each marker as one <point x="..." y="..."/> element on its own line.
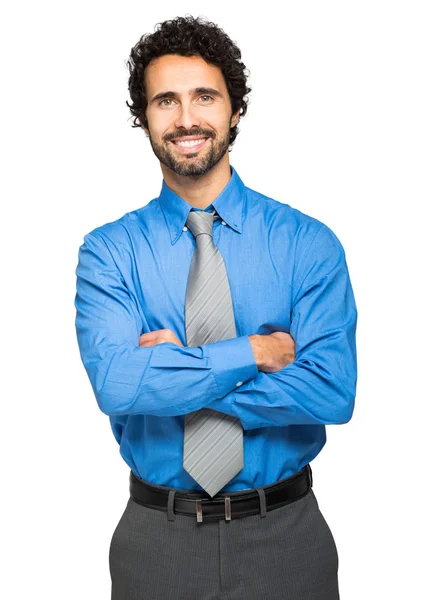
<point x="190" y="145"/>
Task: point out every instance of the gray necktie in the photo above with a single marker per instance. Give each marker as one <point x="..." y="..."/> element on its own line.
<point x="213" y="441"/>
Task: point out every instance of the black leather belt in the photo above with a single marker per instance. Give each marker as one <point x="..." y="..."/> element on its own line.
<point x="224" y="505"/>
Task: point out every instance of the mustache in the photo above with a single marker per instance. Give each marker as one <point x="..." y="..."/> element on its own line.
<point x="181" y="134"/>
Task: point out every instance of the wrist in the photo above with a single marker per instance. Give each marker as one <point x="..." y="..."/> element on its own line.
<point x="258" y="350"/>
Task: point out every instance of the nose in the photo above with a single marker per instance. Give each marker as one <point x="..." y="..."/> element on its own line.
<point x="187" y="117"/>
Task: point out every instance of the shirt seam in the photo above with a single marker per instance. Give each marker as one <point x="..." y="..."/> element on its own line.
<point x="101" y="238"/>
<point x="297" y="270"/>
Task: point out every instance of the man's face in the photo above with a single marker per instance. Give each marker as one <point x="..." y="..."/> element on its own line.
<point x="194" y="103"/>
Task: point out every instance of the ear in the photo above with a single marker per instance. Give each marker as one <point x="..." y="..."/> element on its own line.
<point x="147" y="132"/>
<point x="235" y="118"/>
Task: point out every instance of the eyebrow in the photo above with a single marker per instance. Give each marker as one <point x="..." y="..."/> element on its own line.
<point x="199" y="90"/>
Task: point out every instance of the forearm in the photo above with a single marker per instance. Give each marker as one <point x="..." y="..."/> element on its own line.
<point x="305" y="392"/>
<point x="162" y="380"/>
<point x="167" y="379"/>
<point x="319" y="386"/>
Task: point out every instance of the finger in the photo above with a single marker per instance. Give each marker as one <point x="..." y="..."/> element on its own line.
<point x="151" y="335"/>
<point x="153" y="343"/>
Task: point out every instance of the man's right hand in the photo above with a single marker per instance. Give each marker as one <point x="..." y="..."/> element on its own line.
<point x="274" y="351"/>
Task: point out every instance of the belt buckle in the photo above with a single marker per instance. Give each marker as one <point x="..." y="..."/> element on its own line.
<point x="227" y="504"/>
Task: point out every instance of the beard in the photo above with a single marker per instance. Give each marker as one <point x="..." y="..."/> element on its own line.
<point x="192" y="165"/>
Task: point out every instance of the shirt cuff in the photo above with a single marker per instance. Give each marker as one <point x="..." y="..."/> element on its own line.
<point x="233" y="362"/>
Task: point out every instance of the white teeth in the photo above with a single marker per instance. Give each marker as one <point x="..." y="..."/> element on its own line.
<point x="189" y="142"/>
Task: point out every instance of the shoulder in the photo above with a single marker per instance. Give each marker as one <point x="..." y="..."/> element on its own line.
<point x="313" y="248"/>
<point x="118" y="234"/>
<point x="301" y="227"/>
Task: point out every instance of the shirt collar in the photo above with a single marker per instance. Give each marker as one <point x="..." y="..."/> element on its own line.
<point x="228" y="205"/>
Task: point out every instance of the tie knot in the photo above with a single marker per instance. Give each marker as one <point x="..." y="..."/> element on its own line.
<point x="200" y="221"/>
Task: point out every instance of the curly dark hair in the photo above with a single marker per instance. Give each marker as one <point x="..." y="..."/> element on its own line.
<point x="188" y="36"/>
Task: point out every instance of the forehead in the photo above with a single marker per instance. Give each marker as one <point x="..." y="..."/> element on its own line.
<point x="178" y="73"/>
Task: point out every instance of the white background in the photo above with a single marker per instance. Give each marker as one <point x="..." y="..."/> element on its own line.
<point x="336" y="127"/>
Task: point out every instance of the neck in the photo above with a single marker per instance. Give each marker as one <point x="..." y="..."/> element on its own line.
<point x="200" y="190"/>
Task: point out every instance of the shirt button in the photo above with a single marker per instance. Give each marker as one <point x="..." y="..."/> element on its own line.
<point x="223" y="222"/>
<point x="239" y="383"/>
<point x="185" y="228"/>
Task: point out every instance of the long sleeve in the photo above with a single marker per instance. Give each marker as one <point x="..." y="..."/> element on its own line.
<point x="161" y="380"/>
<point x="319" y="386"/>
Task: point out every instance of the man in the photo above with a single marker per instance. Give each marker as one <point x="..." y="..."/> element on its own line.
<point x="217" y="327"/>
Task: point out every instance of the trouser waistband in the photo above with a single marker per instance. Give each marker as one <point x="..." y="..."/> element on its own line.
<point x="224" y="505"/>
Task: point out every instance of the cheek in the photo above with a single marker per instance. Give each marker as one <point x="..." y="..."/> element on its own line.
<point x="219" y="123"/>
<point x="223" y="121"/>
<point x="160" y="124"/>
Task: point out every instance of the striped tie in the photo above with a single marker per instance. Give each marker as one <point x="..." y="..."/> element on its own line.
<point x="213" y="441"/>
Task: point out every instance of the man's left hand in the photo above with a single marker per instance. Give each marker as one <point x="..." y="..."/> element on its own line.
<point x="160" y="336"/>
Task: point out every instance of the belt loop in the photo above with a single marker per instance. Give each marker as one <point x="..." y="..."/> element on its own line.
<point x="171" y="497"/>
<point x="262" y="503"/>
<point x="227" y="504"/>
<point x="199" y="511"/>
<point x="310" y="474"/>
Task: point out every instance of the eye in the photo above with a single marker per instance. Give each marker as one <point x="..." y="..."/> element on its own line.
<point x="165" y="100"/>
<point x="172" y="100"/>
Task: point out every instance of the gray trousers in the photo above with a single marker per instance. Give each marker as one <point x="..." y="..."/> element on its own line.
<point x="290" y="554"/>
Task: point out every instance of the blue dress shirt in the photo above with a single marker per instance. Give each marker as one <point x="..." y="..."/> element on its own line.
<point x="287" y="272"/>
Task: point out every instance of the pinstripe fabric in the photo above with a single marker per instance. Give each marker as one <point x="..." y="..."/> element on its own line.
<point x="213" y="441"/>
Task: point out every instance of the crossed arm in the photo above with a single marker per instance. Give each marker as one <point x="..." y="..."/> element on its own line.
<point x="133" y="374"/>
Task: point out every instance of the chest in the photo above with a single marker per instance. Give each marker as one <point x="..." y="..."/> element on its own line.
<point x="259" y="272"/>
